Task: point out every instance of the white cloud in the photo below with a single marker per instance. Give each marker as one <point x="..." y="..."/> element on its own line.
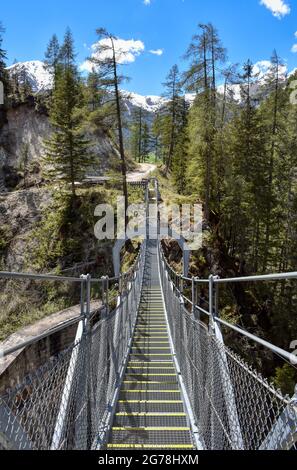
<point x="262" y="68"/>
<point x="295" y="34"/>
<point x="126" y="51"/>
<point x="157" y="51"/>
<point x="279" y="8"/>
<point x="147" y="2"/>
<point x="294" y="48"/>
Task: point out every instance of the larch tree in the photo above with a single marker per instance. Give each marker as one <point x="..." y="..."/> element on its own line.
<point x="205" y="54"/>
<point x="180" y="156"/>
<point x="172" y="93"/>
<point x="106" y="60"/>
<point x="273" y="82"/>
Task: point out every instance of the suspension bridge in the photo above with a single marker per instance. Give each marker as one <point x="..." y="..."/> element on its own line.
<point x="149" y="370"/>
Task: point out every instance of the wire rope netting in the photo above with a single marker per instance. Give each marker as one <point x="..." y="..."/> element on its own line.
<point x="67" y="403"/>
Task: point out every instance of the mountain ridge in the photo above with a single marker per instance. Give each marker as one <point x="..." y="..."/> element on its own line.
<point x="40" y="80"/>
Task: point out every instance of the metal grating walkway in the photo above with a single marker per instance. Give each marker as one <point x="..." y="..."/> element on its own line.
<point x="150" y="412"/>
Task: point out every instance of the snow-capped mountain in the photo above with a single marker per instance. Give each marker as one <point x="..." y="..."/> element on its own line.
<point x="150" y="103"/>
<point x="37" y="76"/>
<point x="258" y="88"/>
<point x="41" y="80"/>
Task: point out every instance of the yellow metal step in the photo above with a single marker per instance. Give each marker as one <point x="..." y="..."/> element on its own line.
<point x="150" y="391"/>
<point x="152" y="375"/>
<point x="153" y="428"/>
<point x="145" y="354"/>
<point x="139" y="363"/>
<point x="147" y="382"/>
<point x="155" y="402"/>
<point x="152" y="349"/>
<point x="150" y="367"/>
<point x="151" y="414"/>
<point x="149" y="446"/>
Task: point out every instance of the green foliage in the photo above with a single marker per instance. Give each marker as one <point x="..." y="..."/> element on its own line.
<point x="230" y="314"/>
<point x="65" y="228"/>
<point x="52" y="57"/>
<point x="67" y="151"/>
<point x="3" y="57"/>
<point x="6" y="235"/>
<point x="286" y="379"/>
<point x="140" y="136"/>
<point x="180" y="153"/>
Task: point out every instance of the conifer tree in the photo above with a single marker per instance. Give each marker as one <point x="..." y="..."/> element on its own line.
<point x="66" y="152"/>
<point x="3" y="57"/>
<point x="273" y="81"/>
<point x="105" y="59"/>
<point x="136" y="134"/>
<point x="244" y="205"/>
<point x="180" y="156"/>
<point x="161" y="135"/>
<point x="15" y="82"/>
<point x="172" y="93"/>
<point x="25" y="88"/>
<point x="52" y="56"/>
<point x="156" y="136"/>
<point x="94" y="93"/>
<point x="146" y="142"/>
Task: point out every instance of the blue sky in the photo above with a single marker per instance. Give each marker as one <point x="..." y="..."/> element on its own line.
<point x="248" y="29"/>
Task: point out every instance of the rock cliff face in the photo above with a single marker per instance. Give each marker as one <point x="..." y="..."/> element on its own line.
<point x="23" y="128"/>
<point x="19" y="212"/>
<point x="22" y="134"/>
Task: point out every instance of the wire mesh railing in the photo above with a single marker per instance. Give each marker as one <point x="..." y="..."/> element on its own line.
<point x="68" y="403"/>
<point x="233" y="406"/>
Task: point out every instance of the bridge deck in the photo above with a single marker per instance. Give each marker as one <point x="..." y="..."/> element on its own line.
<point x="150" y="412"/>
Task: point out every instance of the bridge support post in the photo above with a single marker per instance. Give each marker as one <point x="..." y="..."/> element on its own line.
<point x="88" y="301"/>
<point x="211" y="310"/>
<point x="194" y="296"/>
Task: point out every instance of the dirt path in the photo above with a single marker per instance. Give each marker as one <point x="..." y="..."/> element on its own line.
<point x="143" y="171"/>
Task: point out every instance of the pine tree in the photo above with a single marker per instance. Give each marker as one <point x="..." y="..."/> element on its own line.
<point x="172" y="92"/>
<point x="245" y="192"/>
<point x="25" y="88"/>
<point x="3" y="72"/>
<point x="66" y="152"/>
<point x="94" y="94"/>
<point x="180" y="156"/>
<point x="52" y="56"/>
<point x="273" y="79"/>
<point x="161" y="135"/>
<point x="205" y="53"/>
<point x="66" y="53"/>
<point x="136" y="134"/>
<point x="146" y="142"/>
<point x="105" y="59"/>
<point x="156" y="136"/>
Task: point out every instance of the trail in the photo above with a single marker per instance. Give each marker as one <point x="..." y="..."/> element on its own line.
<point x="143" y="171"/>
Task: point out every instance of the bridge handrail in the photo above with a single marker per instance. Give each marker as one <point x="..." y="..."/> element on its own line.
<point x="82" y="280"/>
<point x="213" y="312"/>
<point x="264" y="277"/>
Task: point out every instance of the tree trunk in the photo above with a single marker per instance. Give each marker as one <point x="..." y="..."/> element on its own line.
<point x="120" y="131"/>
<point x="271" y="168"/>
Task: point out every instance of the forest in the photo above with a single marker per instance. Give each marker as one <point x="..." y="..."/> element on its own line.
<point x="236" y="157"/>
